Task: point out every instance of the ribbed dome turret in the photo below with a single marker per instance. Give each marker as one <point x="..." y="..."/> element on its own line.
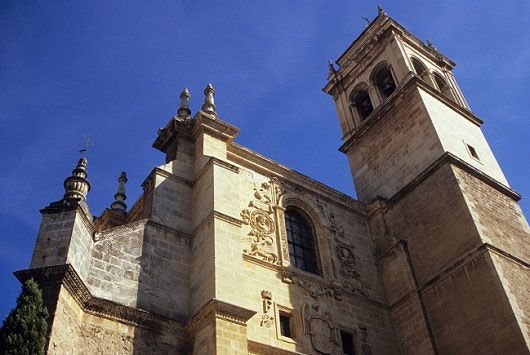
<point x="77" y="185"/>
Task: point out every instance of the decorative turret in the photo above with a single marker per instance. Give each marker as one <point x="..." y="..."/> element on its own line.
<point x="77" y="185"/>
<point x="118" y="205"/>
<point x="209" y="104"/>
<point x="184" y="109"/>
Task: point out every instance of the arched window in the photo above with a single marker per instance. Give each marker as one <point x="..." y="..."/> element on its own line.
<point x="442" y="85"/>
<point x="419" y="68"/>
<point x="363" y="104"/>
<point x="301" y="241"/>
<point x="384" y="81"/>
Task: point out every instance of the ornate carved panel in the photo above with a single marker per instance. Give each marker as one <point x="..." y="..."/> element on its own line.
<point x="348" y="270"/>
<point x="261" y="241"/>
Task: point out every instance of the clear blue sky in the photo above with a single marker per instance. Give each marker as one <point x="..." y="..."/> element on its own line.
<point x="114" y="69"/>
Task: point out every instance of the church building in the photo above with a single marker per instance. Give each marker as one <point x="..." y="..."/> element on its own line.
<point x="229" y="252"/>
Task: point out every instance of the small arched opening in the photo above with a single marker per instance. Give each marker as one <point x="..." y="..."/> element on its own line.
<point x="362" y="103"/>
<point x="384" y="81"/>
<point x="442" y="85"/>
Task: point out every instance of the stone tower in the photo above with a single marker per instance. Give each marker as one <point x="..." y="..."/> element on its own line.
<point x="453" y="244"/>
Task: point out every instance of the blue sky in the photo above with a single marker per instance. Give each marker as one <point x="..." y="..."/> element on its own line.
<point x="114" y="69"/>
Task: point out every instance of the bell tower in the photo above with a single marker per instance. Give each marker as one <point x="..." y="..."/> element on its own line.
<point x="454" y="245"/>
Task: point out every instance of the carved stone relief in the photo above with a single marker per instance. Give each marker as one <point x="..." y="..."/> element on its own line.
<point x="318" y="324"/>
<point x="348" y="270"/>
<point x="365" y="347"/>
<point x="260" y="242"/>
<point x="267" y="318"/>
<point x="336" y="229"/>
<point x="314" y="289"/>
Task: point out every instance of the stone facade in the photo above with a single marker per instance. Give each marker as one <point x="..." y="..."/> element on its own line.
<point x="432" y="258"/>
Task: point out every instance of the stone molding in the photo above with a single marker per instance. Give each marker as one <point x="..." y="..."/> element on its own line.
<point x="138" y="226"/>
<point x="205" y="123"/>
<point x="216" y="215"/>
<point x="255" y="348"/>
<point x="265" y="166"/>
<point x="449" y="158"/>
<point x="167" y="175"/>
<point x="215" y="161"/>
<point x="406" y="88"/>
<point x="226" y="218"/>
<point x="455" y="267"/>
<point x="217" y="309"/>
<point x="66" y="276"/>
<point x="167" y="135"/>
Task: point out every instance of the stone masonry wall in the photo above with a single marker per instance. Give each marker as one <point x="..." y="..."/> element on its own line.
<point x="53" y="239"/>
<point x="436" y="223"/>
<point x="395" y="150"/>
<point x="498" y="218"/>
<point x="470" y="313"/>
<point x="75" y="332"/>
<point x="143" y="265"/>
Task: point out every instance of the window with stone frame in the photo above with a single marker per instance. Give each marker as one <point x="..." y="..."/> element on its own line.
<point x="301" y="240"/>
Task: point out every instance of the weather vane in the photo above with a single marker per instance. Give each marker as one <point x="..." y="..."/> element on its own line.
<point x="88" y="143"/>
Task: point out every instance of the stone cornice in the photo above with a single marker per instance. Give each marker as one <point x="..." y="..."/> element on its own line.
<point x="257" y="162"/>
<point x="66" y="275"/>
<point x="255" y="348"/>
<point x="205" y="123"/>
<point x="407" y="88"/>
<point x="175" y="127"/>
<point x="449" y="158"/>
<point x="217" y="215"/>
<point x="217" y="309"/>
<point x="468" y="258"/>
<point x="167" y="175"/>
<point x="228" y="219"/>
<point x="215" y="161"/>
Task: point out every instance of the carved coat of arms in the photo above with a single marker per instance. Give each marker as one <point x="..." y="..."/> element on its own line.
<point x="319" y="326"/>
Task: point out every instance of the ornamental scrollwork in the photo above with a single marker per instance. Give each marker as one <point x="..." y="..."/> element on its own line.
<point x="314" y="289"/>
<point x="260" y="242"/>
<point x="351" y="279"/>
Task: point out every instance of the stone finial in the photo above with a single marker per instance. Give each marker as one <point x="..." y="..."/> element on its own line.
<point x="118" y="205"/>
<point x="430" y="45"/>
<point x="77" y="185"/>
<point x="380" y="11"/>
<point x="184" y="109"/>
<point x="331" y="68"/>
<point x="209" y="104"/>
